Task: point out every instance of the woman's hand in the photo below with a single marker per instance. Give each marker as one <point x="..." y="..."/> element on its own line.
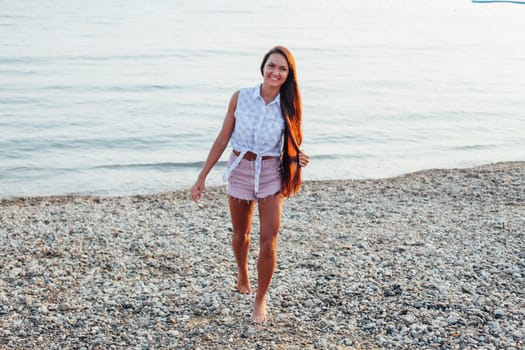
<point x="303" y="158"/>
<point x="197" y="189"/>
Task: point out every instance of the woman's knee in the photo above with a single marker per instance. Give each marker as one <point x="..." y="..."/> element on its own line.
<point x="241" y="234"/>
<point x="268" y="243"/>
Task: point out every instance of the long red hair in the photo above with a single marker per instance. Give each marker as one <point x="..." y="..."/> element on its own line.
<point x="291" y="109"/>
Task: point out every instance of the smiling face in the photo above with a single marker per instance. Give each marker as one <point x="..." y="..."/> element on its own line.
<point x="275" y="70"/>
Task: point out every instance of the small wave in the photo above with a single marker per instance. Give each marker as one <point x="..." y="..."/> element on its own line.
<point x="339" y="156"/>
<point x="110" y="88"/>
<point x="18" y="101"/>
<point x="42" y="145"/>
<point x="155" y="166"/>
<point x="30" y="172"/>
<point x="87" y="58"/>
<point x="472" y="147"/>
<point x="18" y="72"/>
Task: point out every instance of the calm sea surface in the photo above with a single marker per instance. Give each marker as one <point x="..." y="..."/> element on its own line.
<point x="126" y="97"/>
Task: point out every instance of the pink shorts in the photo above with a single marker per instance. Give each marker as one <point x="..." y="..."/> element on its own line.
<point x="241" y="180"/>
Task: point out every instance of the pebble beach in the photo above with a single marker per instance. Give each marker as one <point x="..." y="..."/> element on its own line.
<point x="428" y="260"/>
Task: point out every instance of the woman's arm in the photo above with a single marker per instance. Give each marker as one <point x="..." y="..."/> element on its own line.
<point x="217" y="149"/>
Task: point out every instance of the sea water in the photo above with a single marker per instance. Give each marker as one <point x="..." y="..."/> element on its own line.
<point x="126" y="97"/>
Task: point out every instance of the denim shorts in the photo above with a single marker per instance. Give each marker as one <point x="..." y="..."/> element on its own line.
<point x="241" y="180"/>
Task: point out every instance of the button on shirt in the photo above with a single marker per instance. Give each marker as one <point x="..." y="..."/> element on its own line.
<point x="258" y="128"/>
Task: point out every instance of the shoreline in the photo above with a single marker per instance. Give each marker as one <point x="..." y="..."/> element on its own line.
<point x="216" y="187"/>
<point x="430" y="259"/>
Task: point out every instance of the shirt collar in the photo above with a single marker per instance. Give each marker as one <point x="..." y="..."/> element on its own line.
<point x="257" y="93"/>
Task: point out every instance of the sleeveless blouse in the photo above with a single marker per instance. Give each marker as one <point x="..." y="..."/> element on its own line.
<point x="258" y="128"/>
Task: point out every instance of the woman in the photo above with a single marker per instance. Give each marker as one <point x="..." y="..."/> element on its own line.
<point x="263" y="124"/>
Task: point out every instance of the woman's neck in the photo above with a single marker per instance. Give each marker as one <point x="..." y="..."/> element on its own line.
<point x="268" y="93"/>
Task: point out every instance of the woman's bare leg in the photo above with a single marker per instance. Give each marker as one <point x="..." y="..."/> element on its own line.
<point x="241" y="212"/>
<point x="270" y="209"/>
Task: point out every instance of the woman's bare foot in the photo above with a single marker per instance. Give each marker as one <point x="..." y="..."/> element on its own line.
<point x="259" y="312"/>
<point x="243" y="284"/>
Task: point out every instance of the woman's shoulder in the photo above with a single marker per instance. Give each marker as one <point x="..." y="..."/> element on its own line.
<point x="234" y="100"/>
